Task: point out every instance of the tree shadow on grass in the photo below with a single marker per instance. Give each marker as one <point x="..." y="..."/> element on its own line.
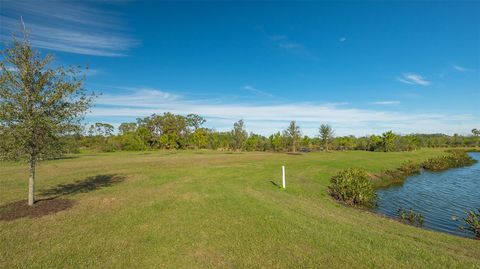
<point x="64" y="158"/>
<point x="81" y="186"/>
<point x="53" y="203"/>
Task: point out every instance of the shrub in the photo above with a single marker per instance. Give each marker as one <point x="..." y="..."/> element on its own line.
<point x="353" y="187"/>
<point x="456" y="158"/>
<point x="472" y="222"/>
<point x="410" y="168"/>
<point x="410" y="217"/>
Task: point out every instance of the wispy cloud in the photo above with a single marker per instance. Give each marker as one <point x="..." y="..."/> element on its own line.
<point x="256" y="91"/>
<point x="342" y="39"/>
<point x="137" y="97"/>
<point x="285" y="43"/>
<point x="413" y="79"/>
<point x="267" y="118"/>
<point x="385" y="103"/>
<point x="461" y="68"/>
<point x="68" y="26"/>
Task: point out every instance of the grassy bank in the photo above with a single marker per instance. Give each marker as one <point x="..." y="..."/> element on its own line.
<point x="212" y="209"/>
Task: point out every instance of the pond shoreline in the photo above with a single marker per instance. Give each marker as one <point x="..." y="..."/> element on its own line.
<point x="441" y="197"/>
<point x="453" y="159"/>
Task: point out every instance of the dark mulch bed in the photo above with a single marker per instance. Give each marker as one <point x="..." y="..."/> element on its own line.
<point x="21" y="209"/>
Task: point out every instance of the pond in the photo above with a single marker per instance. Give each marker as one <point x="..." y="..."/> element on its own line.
<point x="441" y="197"/>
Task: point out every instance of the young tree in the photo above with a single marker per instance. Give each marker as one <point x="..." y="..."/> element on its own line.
<point x="38" y="105"/>
<point x="326" y="135"/>
<point x="293" y="135"/>
<point x="239" y="135"/>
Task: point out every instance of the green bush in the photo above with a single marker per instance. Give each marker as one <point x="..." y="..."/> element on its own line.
<point x="472" y="223"/>
<point x="409" y="168"/>
<point x="410" y="217"/>
<point x="353" y="187"/>
<point x="455" y="158"/>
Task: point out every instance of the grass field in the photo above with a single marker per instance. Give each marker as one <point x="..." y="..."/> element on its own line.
<point x="192" y="209"/>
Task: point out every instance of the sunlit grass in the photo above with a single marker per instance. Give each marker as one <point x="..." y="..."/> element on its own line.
<point x="190" y="209"/>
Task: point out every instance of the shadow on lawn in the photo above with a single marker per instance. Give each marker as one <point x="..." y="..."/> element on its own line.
<point x="275" y="184"/>
<point x="81" y="186"/>
<point x="54" y="203"/>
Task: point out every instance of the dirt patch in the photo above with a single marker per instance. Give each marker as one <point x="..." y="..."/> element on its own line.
<point x="21" y="209"/>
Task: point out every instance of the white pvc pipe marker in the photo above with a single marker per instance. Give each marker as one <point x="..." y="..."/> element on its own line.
<point x="283" y="176"/>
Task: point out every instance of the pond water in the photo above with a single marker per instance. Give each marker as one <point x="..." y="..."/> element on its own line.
<point x="441" y="197"/>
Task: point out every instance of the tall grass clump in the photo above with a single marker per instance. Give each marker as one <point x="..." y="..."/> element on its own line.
<point x="455" y="158"/>
<point x="410" y="217"/>
<point x="472" y="223"/>
<point x="353" y="187"/>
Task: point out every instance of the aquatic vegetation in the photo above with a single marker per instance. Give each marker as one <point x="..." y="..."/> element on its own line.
<point x="410" y="217"/>
<point x="354" y="187"/>
<point x="472" y="223"/>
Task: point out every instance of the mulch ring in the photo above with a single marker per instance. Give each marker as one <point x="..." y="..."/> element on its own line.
<point x="21" y="209"/>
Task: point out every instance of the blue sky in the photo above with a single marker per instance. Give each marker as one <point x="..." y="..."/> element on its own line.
<point x="362" y="67"/>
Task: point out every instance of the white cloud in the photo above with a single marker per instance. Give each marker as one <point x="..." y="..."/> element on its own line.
<point x="413" y="79"/>
<point x="268" y="118"/>
<point x="385" y="103"/>
<point x="461" y="68"/>
<point x="257" y="91"/>
<point x="67" y="26"/>
<point x="137" y="97"/>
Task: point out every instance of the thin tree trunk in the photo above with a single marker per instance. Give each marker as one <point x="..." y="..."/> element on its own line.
<point x="31" y="182"/>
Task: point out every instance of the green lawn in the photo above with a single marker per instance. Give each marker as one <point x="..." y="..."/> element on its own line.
<point x="196" y="209"/>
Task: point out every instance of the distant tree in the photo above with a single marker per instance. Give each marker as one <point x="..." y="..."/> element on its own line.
<point x="293" y="135"/>
<point x="388" y="141"/>
<point x="38" y="105"/>
<point x="127" y="128"/>
<point x="326" y="135"/>
<point x="475" y="132"/>
<point x="199" y="138"/>
<point x="411" y="142"/>
<point x="375" y="143"/>
<point x="195" y="121"/>
<point x="277" y="141"/>
<point x="101" y="129"/>
<point x="239" y="135"/>
<point x="344" y="143"/>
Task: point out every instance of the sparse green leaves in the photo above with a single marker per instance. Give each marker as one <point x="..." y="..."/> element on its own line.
<point x="38" y="104"/>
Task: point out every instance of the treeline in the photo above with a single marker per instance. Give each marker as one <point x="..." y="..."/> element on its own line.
<point x="170" y="131"/>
